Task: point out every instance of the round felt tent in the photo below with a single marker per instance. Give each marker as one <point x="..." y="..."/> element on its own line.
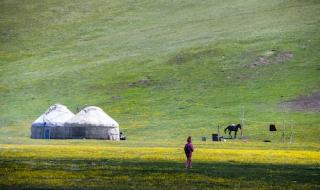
<point x="93" y="123"/>
<point x="50" y="125"/>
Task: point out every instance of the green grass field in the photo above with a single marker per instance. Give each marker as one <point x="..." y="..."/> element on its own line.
<point x="164" y="70"/>
<point x="105" y="167"/>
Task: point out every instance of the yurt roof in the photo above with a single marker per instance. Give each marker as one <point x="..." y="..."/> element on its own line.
<point x="56" y="115"/>
<point x="92" y="116"/>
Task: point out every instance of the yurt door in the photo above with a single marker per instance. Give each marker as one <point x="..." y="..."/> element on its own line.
<point x="47" y="134"/>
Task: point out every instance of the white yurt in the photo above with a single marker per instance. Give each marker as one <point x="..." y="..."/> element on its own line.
<point x="92" y="123"/>
<point x="50" y="125"/>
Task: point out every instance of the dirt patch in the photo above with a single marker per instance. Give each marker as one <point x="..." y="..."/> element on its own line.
<point x="189" y="55"/>
<point x="116" y="98"/>
<point x="284" y="56"/>
<point x="147" y="81"/>
<point x="304" y="103"/>
<point x="272" y="57"/>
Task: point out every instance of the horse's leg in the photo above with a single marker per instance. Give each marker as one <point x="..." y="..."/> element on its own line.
<point x="230" y="134"/>
<point x="235" y="134"/>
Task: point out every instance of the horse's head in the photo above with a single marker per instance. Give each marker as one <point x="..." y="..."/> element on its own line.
<point x="239" y="126"/>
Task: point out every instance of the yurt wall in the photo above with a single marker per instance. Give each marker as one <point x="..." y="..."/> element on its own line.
<point x="37" y="132"/>
<point x="77" y="132"/>
<point x="94" y="132"/>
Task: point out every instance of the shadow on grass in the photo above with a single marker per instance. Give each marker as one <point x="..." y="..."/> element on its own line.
<point x="137" y="174"/>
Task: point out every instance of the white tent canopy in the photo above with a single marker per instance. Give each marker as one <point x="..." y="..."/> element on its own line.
<point x="93" y="123"/>
<point x="92" y="116"/>
<point x="55" y="116"/>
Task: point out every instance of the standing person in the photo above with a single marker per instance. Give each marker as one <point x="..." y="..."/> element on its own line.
<point x="188" y="149"/>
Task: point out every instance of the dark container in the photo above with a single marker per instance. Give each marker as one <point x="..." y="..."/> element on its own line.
<point x="272" y="127"/>
<point x="215" y="137"/>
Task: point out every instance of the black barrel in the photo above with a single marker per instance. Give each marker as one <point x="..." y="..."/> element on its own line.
<point x="215" y="137"/>
<point x="272" y="127"/>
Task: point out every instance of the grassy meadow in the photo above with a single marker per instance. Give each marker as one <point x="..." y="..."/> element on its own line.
<point x="164" y="70"/>
<point x="91" y="167"/>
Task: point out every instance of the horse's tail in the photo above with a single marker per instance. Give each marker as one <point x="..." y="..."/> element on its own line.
<point x="225" y="130"/>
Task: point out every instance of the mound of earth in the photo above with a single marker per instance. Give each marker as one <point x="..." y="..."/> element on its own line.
<point x="272" y="57"/>
<point x="304" y="103"/>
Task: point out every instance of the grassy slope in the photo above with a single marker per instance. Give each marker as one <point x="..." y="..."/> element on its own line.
<point x="194" y="52"/>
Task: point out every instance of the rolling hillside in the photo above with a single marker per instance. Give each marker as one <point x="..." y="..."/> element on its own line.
<point x="163" y="69"/>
